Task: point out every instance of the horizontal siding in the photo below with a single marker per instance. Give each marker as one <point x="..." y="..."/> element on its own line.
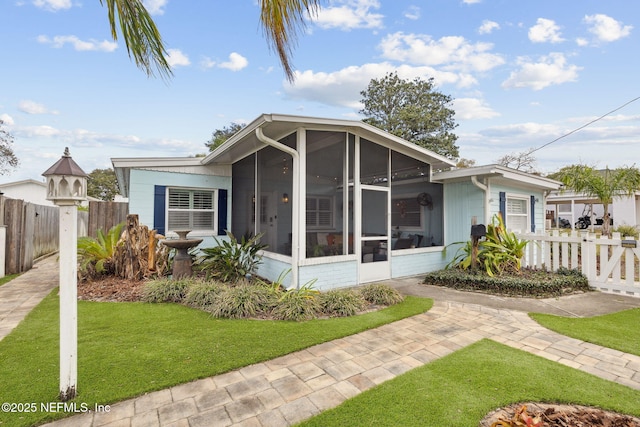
<point x="405" y="263"/>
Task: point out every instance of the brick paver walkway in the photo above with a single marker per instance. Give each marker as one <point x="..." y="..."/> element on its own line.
<point x="292" y="388"/>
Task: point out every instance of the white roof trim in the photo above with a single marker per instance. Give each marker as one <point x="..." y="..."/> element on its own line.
<point x="498" y="171"/>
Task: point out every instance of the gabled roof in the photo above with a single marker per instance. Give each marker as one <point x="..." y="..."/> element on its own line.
<point x="497" y="171"/>
<point x="23" y="182"/>
<point x="277" y="126"/>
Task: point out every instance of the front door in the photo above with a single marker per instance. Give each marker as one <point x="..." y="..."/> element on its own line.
<point x="374" y="238"/>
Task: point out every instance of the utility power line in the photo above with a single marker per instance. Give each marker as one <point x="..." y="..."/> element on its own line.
<point x="583" y="126"/>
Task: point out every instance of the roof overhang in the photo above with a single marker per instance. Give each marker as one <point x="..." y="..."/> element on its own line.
<point x="123" y="165"/>
<point x="500" y="172"/>
<point x="277" y="126"/>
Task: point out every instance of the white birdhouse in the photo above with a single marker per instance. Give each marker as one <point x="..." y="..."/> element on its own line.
<point x="66" y="181"/>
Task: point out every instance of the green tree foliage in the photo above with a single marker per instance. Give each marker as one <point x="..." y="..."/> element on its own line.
<point x="281" y="22"/>
<point x="8" y="159"/>
<point x="102" y="184"/>
<point x="604" y="184"/>
<point x="221" y="135"/>
<point x="412" y="110"/>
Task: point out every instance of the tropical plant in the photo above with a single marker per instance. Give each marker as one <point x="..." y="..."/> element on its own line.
<point x="166" y="290"/>
<point x="381" y="294"/>
<point x="628" y="230"/>
<point x="341" y="302"/>
<point x="96" y="256"/>
<point x="242" y="301"/>
<point x="281" y="21"/>
<point x="605" y="185"/>
<point x="298" y="304"/>
<point x="500" y="252"/>
<point x="202" y="295"/>
<point x="231" y="260"/>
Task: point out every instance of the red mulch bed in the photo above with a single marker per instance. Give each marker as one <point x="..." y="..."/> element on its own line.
<point x="555" y="415"/>
<point x="111" y="289"/>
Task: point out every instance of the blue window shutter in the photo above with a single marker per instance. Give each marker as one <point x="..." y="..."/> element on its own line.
<point x="503" y="206"/>
<point x="532" y="214"/>
<point x="159" y="208"/>
<point x="222" y="212"/>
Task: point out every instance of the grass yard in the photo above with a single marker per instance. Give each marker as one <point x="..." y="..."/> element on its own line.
<point x="127" y="349"/>
<point x="460" y="389"/>
<point x="8" y="278"/>
<point x="617" y="330"/>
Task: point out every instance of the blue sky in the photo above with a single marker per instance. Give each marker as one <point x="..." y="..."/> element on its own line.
<point x="522" y="73"/>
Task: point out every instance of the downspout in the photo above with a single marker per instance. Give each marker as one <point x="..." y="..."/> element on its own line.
<point x="485" y="188"/>
<point x="295" y="217"/>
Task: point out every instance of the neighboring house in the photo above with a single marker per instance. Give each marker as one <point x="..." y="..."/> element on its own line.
<point x="29" y="190"/>
<point x="567" y="205"/>
<point x="337" y="201"/>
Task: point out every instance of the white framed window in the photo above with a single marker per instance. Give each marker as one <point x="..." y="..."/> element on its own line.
<point x="191" y="209"/>
<point x="517" y="213"/>
<point x="319" y="212"/>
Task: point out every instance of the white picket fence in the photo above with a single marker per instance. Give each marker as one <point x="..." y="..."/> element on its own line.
<point x="611" y="265"/>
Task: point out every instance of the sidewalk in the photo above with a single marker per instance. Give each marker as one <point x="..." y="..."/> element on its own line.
<point x="22" y="294"/>
<point x="291" y="388"/>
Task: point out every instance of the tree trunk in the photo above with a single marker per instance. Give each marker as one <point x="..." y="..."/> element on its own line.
<point x="139" y="256"/>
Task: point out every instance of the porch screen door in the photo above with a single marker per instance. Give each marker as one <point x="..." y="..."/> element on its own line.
<point x="374" y="241"/>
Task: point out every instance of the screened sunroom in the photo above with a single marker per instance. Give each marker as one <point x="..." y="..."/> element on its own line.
<point x="337" y="202"/>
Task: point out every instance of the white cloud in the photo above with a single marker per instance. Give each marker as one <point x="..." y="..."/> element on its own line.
<point x="471" y="1"/>
<point x="549" y="70"/>
<point x="32" y="107"/>
<point x="606" y="29"/>
<point x="582" y="42"/>
<point x="207" y="62"/>
<point x="473" y="108"/>
<point x="7" y="119"/>
<point x="454" y="52"/>
<point x="236" y="62"/>
<point x="176" y="58"/>
<point x="342" y="88"/>
<point x="155" y="7"/>
<point x="545" y="31"/>
<point x="487" y="27"/>
<point x="79" y="45"/>
<point x="349" y="14"/>
<point x="412" y="12"/>
<point x="52" y="5"/>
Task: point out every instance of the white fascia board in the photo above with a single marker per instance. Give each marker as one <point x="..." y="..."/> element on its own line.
<point x="490" y="171"/>
<point x="143" y="162"/>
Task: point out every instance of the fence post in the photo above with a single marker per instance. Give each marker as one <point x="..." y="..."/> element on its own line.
<point x="588" y="251"/>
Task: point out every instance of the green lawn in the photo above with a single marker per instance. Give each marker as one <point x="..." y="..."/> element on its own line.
<point x="8" y="278"/>
<point x="127" y="349"/>
<point x="460" y="389"/>
<point x="617" y="330"/>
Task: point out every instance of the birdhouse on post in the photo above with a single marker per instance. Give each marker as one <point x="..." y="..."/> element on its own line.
<point x="66" y="181"/>
<point x="67" y="188"/>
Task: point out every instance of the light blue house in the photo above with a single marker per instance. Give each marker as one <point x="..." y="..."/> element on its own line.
<point x="338" y="201"/>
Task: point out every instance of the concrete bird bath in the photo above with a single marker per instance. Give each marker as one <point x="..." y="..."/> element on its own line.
<point x="182" y="261"/>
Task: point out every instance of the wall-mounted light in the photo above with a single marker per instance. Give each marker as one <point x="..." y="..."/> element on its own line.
<point x="285" y="198"/>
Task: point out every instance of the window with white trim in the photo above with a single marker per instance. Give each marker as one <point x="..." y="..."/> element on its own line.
<point x="319" y="212"/>
<point x="191" y="209"/>
<point x="517" y="213"/>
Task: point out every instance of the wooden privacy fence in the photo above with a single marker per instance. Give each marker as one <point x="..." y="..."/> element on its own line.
<point x="33" y="230"/>
<point x="610" y="264"/>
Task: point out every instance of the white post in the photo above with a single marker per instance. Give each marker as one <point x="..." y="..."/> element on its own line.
<point x="68" y="301"/>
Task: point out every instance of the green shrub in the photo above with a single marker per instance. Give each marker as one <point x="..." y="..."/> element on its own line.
<point x="96" y="255"/>
<point x="500" y="252"/>
<point x="166" y="290"/>
<point x="341" y="302"/>
<point x="203" y="294"/>
<point x="628" y="230"/>
<point x="536" y="283"/>
<point x="298" y="304"/>
<point x="381" y="294"/>
<point x="242" y="301"/>
<point x="231" y="261"/>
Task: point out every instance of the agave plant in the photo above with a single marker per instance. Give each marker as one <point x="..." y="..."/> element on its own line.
<point x="96" y="255"/>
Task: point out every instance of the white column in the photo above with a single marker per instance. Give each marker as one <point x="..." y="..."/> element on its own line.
<point x="68" y="301"/>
